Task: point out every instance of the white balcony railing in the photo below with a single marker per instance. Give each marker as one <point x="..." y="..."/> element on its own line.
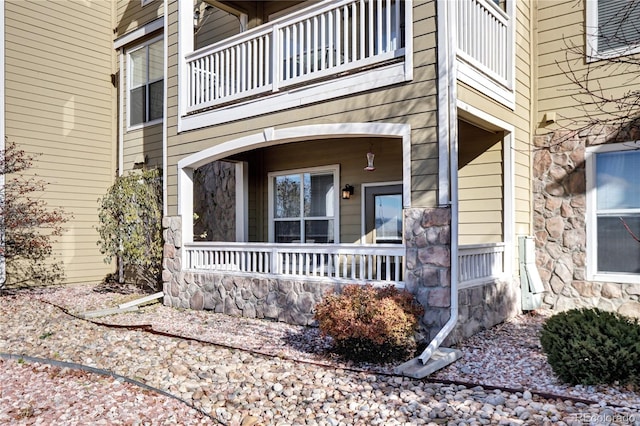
<point x="480" y="262"/>
<point x="318" y="42"/>
<point x="354" y="262"/>
<point x="484" y="38"/>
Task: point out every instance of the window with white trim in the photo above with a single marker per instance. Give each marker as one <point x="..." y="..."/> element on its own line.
<point x="145" y="83"/>
<point x="612" y="28"/>
<point x="303" y="206"/>
<point x="614" y="212"/>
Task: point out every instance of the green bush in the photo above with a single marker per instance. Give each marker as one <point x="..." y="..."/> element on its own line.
<point x="591" y="346"/>
<point x="131" y="225"/>
<point x="370" y="324"/>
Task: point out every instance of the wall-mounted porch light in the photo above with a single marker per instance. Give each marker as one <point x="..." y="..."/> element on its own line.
<point x="347" y="192"/>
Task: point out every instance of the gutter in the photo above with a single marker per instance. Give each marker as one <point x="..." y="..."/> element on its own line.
<point x="433" y="358"/>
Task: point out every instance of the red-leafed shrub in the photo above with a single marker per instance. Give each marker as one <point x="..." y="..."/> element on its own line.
<point x="370" y="324"/>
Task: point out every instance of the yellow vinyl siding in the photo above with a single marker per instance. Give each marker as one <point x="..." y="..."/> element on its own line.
<point x="480" y="183"/>
<point x="217" y="25"/>
<point x="350" y="154"/>
<point x="130" y="15"/>
<point x="60" y="103"/>
<point x="562" y="24"/>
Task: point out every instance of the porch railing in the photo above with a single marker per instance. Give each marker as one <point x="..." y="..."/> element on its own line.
<point x="380" y="262"/>
<point x="483" y="37"/>
<point x="479" y="262"/>
<point x="318" y="42"/>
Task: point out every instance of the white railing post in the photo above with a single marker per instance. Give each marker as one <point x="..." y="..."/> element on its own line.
<point x="276" y="59"/>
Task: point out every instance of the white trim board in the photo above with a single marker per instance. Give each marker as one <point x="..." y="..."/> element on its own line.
<point x="138" y="33"/>
<point x="294" y="98"/>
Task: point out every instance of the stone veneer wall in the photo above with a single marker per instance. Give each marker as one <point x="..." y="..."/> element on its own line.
<point x="482" y="306"/>
<point x="559" y="187"/>
<point x="214" y="200"/>
<point x="287" y="300"/>
<point x="428" y="277"/>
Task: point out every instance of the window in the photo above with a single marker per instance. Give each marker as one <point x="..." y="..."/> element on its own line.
<point x="146" y="83"/>
<point x="612" y="28"/>
<point x="303" y="206"/>
<point x="614" y="210"/>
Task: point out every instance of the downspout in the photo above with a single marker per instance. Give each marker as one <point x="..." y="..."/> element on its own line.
<point x="448" y="128"/>
<point x="123" y="117"/>
<point x="3" y="271"/>
<point x="165" y="42"/>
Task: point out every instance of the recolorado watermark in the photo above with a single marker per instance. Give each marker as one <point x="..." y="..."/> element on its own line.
<point x="608" y="418"/>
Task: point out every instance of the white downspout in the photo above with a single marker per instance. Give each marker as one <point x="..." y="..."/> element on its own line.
<point x="123" y="116"/>
<point x="3" y="271"/>
<point x="448" y="125"/>
<point x="165" y="36"/>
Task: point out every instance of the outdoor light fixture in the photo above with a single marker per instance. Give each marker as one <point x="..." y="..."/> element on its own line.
<point x="370" y="156"/>
<point x="347" y="192"/>
<point x="196" y="18"/>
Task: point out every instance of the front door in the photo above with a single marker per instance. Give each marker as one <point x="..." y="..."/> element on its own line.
<point x="383" y="220"/>
<point x="383" y="214"/>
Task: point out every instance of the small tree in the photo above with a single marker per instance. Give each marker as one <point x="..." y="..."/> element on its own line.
<point x="130" y="227"/>
<point x="28" y="228"/>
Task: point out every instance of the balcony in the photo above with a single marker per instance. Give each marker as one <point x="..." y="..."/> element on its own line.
<point x="324" y="42"/>
<point x="485" y="45"/>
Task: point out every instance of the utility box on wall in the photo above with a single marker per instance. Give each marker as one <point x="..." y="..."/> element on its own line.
<point x="531" y="284"/>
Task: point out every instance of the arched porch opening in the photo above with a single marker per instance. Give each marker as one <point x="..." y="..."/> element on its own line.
<point x="272" y="203"/>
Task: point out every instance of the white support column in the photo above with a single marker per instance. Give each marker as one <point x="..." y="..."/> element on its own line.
<point x="242" y="202"/>
<point x="185" y="46"/>
<point x="185" y="203"/>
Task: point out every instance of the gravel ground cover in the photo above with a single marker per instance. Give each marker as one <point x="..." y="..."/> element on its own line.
<point x="244" y="372"/>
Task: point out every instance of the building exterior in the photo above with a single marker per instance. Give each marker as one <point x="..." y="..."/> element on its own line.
<point x="59" y="103"/>
<point x="309" y="144"/>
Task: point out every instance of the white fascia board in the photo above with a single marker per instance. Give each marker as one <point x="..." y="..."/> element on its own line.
<point x="485" y="85"/>
<point x="273" y="136"/>
<point x="139" y="33"/>
<point x="485" y="116"/>
<point x="386" y="76"/>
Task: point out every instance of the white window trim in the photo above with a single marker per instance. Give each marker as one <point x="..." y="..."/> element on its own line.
<point x="591" y="220"/>
<point x="128" y="84"/>
<point x="143" y="3"/>
<point x="333" y="169"/>
<point x="591" y="30"/>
